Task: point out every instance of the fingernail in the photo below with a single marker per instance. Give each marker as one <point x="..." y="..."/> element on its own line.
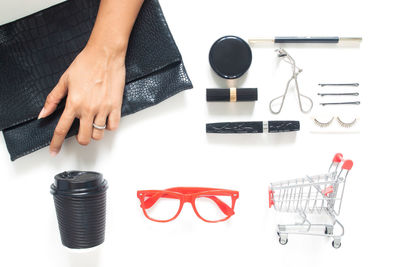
<point x="41" y="113"/>
<point x="53" y="153"/>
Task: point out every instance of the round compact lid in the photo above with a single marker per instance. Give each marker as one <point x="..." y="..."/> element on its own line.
<point x="230" y="57"/>
<point x="78" y="183"/>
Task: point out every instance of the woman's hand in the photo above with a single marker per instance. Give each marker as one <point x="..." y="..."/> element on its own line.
<point x="94" y="82"/>
<point x="94" y="86"/>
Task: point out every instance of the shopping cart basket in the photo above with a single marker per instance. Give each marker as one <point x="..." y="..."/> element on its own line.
<point x="319" y="194"/>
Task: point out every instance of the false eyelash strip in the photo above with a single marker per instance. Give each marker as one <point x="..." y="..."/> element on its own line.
<point x="346" y="124"/>
<point x="323" y="124"/>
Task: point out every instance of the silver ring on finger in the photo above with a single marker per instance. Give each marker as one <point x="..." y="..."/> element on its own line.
<point x="98" y="127"/>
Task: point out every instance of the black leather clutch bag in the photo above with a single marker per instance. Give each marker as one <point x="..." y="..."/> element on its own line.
<point x="36" y="50"/>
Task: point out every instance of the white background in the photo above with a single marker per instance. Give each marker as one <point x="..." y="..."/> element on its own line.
<point x="166" y="146"/>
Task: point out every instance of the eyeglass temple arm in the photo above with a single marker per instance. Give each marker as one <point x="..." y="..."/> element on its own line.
<point x="148" y="203"/>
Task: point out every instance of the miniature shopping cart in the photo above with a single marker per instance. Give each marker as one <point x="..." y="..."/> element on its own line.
<point x="319" y="194"/>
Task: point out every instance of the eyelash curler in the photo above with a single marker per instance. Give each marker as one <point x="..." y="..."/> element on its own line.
<point x="296" y="71"/>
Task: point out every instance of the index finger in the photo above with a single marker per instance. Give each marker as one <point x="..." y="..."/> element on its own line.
<point x="63" y="126"/>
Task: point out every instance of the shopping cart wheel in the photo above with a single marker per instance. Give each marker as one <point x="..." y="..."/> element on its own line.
<point x="283" y="240"/>
<point x="336" y="243"/>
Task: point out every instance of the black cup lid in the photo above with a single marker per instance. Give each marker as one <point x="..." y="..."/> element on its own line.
<point x="78" y="183"/>
<point x="230" y="57"/>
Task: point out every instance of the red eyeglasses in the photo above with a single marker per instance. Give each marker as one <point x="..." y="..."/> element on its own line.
<point x="210" y="204"/>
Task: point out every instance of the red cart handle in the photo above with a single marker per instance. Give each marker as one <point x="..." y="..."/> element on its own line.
<point x="338" y="158"/>
<point x="271" y="197"/>
<point x="347" y="165"/>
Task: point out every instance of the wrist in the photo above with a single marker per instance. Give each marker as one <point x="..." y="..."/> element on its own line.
<point x="112" y="47"/>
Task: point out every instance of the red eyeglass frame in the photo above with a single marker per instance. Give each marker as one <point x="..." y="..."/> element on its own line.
<point x="188" y="194"/>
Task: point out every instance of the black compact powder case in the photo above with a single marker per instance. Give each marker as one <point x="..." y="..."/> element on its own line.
<point x="230" y="57"/>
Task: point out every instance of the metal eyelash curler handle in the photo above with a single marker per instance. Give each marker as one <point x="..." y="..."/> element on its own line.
<point x="296" y="71"/>
<point x="299" y="95"/>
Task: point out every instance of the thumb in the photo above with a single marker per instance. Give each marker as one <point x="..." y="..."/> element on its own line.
<point x="54" y="98"/>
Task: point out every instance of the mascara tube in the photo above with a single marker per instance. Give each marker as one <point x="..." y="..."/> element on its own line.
<point x="231" y="94"/>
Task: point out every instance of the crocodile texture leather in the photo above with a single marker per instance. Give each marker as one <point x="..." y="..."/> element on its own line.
<point x="252" y="127"/>
<point x="283" y="126"/>
<point x="36" y="50"/>
<point x="235" y="127"/>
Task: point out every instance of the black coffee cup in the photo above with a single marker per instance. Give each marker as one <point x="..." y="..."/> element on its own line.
<point x="80" y="200"/>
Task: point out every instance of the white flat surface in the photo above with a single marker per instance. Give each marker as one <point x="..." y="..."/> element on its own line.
<point x="166" y="146"/>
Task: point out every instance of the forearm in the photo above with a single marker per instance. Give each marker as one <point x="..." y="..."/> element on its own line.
<point x="113" y="25"/>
